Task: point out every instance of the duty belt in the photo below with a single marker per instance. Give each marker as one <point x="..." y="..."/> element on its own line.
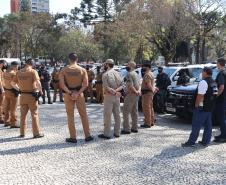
<point x="55" y="81"/>
<point x="7" y="89"/>
<point x="26" y="92"/>
<point x="74" y="88"/>
<point x="145" y="91"/>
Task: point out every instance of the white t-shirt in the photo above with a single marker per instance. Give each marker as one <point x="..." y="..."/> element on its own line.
<point x="202" y="88"/>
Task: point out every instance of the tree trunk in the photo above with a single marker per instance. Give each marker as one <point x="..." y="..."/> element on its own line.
<point x="197" y="50"/>
<point x="203" y="53"/>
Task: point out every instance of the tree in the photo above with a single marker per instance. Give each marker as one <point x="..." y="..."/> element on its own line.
<point x="154" y="24"/>
<point x="10" y="35"/>
<point x="217" y="41"/>
<point x="169" y="25"/>
<point x="25" y="5"/>
<point x="76" y="41"/>
<point x="98" y="12"/>
<point x="206" y="16"/>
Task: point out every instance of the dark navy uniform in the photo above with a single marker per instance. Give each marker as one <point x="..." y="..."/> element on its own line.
<point x="45" y="81"/>
<point x="219" y="112"/>
<point x="162" y="82"/>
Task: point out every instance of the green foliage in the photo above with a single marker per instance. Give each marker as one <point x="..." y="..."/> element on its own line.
<point x="25" y="5"/>
<point x="76" y="41"/>
<point x="123" y="30"/>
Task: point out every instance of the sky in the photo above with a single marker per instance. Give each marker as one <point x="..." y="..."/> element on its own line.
<point x="61" y="6"/>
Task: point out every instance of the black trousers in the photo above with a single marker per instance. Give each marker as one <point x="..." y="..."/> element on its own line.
<point x="46" y="91"/>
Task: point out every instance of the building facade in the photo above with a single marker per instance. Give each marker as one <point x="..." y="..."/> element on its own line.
<point x="40" y="6"/>
<point x="15" y="6"/>
<point x="35" y="6"/>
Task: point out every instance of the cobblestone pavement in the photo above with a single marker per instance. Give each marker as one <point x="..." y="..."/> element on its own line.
<point x="153" y="156"/>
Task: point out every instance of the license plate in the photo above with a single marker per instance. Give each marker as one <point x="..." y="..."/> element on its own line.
<point x="170" y="109"/>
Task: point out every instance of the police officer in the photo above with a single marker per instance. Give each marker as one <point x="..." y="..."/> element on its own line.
<point x="112" y="84"/>
<point x="148" y="90"/>
<point x="74" y="80"/>
<point x="202" y="114"/>
<point x="219" y="112"/>
<point x="91" y="77"/>
<point x="99" y="85"/>
<point x="45" y="81"/>
<point x="56" y="85"/>
<point x="2" y="92"/>
<point x="183" y="78"/>
<point x="132" y="92"/>
<point x="11" y="97"/>
<point x="162" y="82"/>
<point x="28" y="82"/>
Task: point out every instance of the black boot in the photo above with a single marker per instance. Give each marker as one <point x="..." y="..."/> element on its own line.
<point x="49" y="101"/>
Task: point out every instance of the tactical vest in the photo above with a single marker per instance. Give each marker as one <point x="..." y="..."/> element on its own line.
<point x="210" y="96"/>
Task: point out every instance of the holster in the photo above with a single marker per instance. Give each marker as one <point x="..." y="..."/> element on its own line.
<point x="16" y="92"/>
<point x="36" y="95"/>
<point x="99" y="82"/>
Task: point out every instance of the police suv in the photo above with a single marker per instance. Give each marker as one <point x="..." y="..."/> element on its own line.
<point x="181" y="98"/>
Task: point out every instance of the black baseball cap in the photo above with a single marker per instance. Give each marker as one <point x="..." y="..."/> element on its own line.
<point x="208" y="70"/>
<point x="2" y="61"/>
<point x="14" y="63"/>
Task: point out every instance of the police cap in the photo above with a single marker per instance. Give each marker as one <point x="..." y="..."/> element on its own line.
<point x="132" y="64"/>
<point x="110" y="61"/>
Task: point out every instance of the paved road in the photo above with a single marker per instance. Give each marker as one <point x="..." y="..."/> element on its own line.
<point x="153" y="156"/>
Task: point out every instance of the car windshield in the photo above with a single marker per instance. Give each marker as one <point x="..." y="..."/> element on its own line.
<point x="214" y="76"/>
<point x="215" y="72"/>
<point x="123" y="73"/>
<point x="195" y="72"/>
<point x="168" y="70"/>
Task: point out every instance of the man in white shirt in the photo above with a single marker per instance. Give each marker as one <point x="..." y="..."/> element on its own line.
<point x="202" y="114"/>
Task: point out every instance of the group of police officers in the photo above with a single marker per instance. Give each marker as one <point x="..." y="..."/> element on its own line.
<point x="74" y="82"/>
